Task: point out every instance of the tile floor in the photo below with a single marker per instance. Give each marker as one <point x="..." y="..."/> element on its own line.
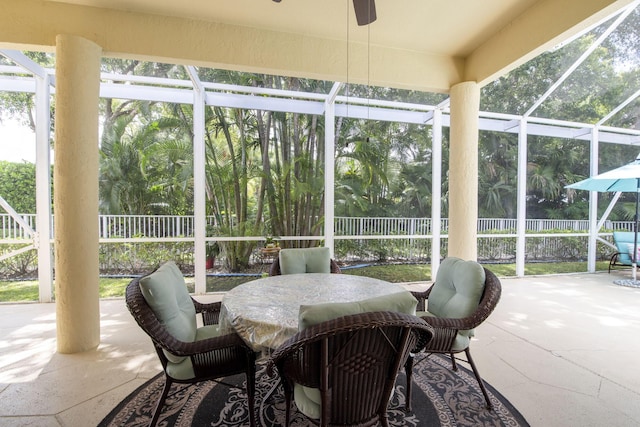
<point x="562" y="349"/>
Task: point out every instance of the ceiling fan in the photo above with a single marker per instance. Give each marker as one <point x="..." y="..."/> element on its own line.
<point x="365" y="11"/>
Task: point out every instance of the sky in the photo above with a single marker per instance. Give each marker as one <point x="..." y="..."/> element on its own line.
<point x="17" y="142"/>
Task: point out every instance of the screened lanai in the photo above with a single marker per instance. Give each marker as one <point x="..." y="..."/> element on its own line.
<point x="535" y="114"/>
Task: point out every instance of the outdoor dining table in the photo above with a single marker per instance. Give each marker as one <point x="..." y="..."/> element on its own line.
<point x="264" y="312"/>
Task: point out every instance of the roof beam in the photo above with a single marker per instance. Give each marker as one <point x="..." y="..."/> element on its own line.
<point x="25" y="62"/>
<point x="619" y="20"/>
<point x="541" y="27"/>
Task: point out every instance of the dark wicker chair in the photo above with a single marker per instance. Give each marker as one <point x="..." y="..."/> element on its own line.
<point x="275" y="266"/>
<point x="212" y="358"/>
<point x="446" y="330"/>
<point x="353" y="361"/>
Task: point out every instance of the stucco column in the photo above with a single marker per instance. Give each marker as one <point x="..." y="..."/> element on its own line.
<point x="463" y="171"/>
<point x="75" y="186"/>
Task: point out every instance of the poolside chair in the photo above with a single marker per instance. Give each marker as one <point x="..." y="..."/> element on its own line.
<point x="163" y="308"/>
<point x="624" y="243"/>
<point x="304" y="260"/>
<point x="343" y="371"/>
<point x="462" y="297"/>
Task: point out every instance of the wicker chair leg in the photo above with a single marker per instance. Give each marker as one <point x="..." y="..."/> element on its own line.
<point x="383" y="419"/>
<point x="251" y="387"/>
<point x="480" y="382"/>
<point x="251" y="392"/>
<point x="454" y="365"/>
<point x="287" y="403"/>
<point x="612" y="261"/>
<point x="163" y="396"/>
<point x="408" y="370"/>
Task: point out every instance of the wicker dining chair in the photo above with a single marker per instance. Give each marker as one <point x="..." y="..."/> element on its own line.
<point x="347" y="367"/>
<point x="462" y="297"/>
<point x="303" y="260"/>
<point x="185" y="357"/>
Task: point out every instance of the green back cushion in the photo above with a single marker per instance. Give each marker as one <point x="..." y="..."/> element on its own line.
<point x="307" y="260"/>
<point x="458" y="288"/>
<point x="308" y="399"/>
<point x="400" y="302"/>
<point x="167" y="295"/>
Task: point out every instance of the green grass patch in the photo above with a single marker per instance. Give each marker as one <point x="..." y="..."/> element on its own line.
<point x="395" y="273"/>
<point x="226" y="283"/>
<point x="110" y="288"/>
<point x="19" y="291"/>
<point x="25" y="291"/>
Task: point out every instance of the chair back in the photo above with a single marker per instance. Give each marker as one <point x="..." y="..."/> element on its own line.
<point x="351" y="363"/>
<point x="463" y="296"/>
<point x="146" y="319"/>
<point x="490" y="297"/>
<point x="458" y="288"/>
<point x="304" y="260"/>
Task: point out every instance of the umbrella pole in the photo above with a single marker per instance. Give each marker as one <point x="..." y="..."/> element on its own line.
<point x="634" y="260"/>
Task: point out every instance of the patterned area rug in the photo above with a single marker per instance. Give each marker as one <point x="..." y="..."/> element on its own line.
<point x="441" y="397"/>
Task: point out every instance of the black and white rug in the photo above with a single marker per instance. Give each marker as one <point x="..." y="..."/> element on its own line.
<point x="441" y="397"/>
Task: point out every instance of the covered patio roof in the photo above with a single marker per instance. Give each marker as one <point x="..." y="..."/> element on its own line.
<point x="425" y="45"/>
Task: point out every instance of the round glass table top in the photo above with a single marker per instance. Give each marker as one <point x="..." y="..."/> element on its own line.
<point x="264" y="312"/>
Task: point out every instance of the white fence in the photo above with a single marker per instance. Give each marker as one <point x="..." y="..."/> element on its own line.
<point x="165" y="226"/>
<point x="135" y="243"/>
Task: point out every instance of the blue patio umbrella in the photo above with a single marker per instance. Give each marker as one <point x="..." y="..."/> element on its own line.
<point x="626" y="179"/>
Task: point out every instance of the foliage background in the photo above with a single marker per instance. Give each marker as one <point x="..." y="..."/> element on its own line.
<point x="265" y="169"/>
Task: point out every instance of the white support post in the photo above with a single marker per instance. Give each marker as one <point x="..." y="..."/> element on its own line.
<point x="521" y="216"/>
<point x="329" y="167"/>
<point x="593" y="204"/>
<point x="199" y="177"/>
<point x="43" y="237"/>
<point x="436" y="192"/>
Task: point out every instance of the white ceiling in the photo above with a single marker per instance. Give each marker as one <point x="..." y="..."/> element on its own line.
<point x="427" y="45"/>
<point x="444" y="27"/>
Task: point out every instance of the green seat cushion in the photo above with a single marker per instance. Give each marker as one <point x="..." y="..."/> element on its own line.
<point x="306" y="260"/>
<point x="457" y="290"/>
<point x="308" y="400"/>
<point x="400" y="302"/>
<point x="463" y="337"/>
<point x="166" y="293"/>
<point x="183" y="370"/>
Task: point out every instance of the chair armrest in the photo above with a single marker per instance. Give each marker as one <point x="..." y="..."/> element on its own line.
<point x="183" y="348"/>
<point x="422" y="298"/>
<point x="274" y="270"/>
<point x="334" y="267"/>
<point x="210" y="311"/>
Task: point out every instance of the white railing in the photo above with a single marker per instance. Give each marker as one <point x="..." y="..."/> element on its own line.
<point x="10" y="229"/>
<point x="134" y="243"/>
<point x="172" y="226"/>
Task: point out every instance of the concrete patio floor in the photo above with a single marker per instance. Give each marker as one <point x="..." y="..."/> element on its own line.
<point x="562" y="349"/>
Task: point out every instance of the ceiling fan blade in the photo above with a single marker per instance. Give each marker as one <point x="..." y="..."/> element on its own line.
<point x="365" y="11"/>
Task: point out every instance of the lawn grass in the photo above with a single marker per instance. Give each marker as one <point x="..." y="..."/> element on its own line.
<point x="26" y="291"/>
